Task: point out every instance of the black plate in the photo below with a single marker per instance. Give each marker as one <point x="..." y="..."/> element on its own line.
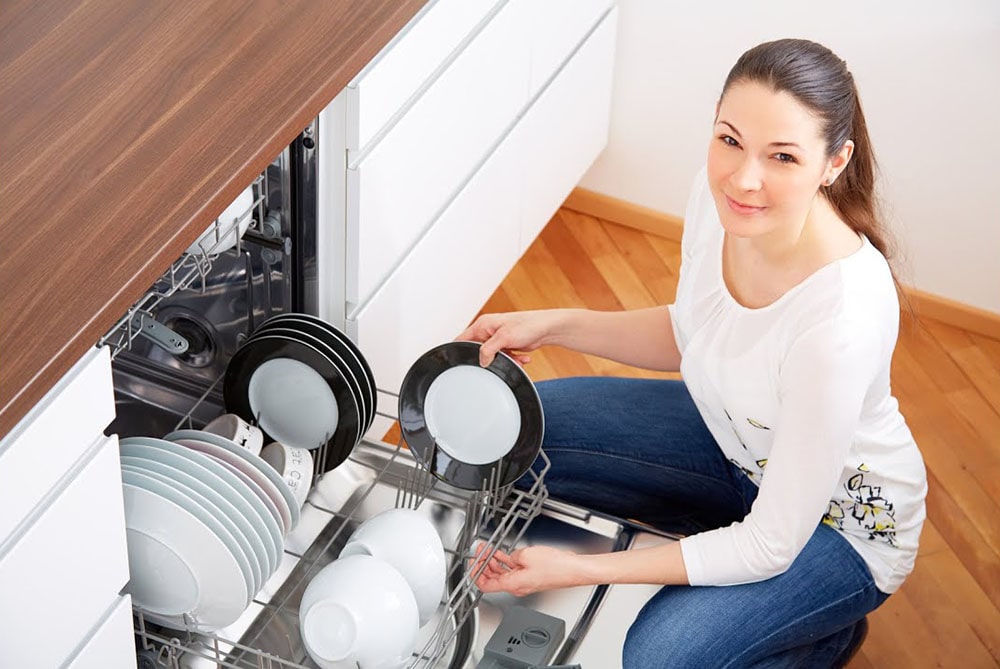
<point x="343" y="345"/>
<point x="308" y="333"/>
<point x="258" y="350"/>
<point x="418" y="381"/>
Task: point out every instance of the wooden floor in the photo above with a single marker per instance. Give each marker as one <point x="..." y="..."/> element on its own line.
<point x="947" y="381"/>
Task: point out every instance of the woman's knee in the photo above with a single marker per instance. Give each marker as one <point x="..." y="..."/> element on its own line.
<point x="670" y="632"/>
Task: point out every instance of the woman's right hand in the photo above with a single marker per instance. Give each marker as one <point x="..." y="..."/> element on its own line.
<point x="514" y="333"/>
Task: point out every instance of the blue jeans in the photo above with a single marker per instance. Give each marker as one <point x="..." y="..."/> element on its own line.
<point x="638" y="449"/>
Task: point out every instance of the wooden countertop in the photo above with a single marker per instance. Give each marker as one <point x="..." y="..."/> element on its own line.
<point x="126" y="126"/>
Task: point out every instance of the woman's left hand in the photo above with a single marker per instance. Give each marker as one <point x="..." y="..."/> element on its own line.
<point x="526" y="570"/>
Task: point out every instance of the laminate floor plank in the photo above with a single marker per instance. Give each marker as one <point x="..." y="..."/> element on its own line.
<point x="616" y="271"/>
<point x="981" y="368"/>
<point x="579" y="269"/>
<point x="637" y="250"/>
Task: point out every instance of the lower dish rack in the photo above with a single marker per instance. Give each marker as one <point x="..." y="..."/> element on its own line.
<point x="376" y="477"/>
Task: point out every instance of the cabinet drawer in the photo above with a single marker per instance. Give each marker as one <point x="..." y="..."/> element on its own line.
<point x="401" y="186"/>
<point x="443" y="282"/>
<point x="112" y="644"/>
<point x="567" y="128"/>
<point x="59" y="576"/>
<point x="557" y="28"/>
<point x="39" y="451"/>
<point x="441" y="285"/>
<point x="410" y="62"/>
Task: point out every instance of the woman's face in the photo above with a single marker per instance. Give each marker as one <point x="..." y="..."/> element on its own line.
<point x="766" y="161"/>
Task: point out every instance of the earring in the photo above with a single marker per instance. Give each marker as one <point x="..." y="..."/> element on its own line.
<point x="829" y="182"/>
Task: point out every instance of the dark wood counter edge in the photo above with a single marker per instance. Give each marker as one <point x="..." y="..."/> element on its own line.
<point x="373" y="25"/>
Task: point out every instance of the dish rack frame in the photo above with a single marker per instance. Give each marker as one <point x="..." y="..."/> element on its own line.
<point x="496" y="518"/>
<point x="190" y="271"/>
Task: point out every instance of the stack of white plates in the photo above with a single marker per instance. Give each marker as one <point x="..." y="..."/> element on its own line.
<point x="205" y="521"/>
<point x="305" y="384"/>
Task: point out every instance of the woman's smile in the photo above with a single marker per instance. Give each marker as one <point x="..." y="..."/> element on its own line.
<point x="743" y="209"/>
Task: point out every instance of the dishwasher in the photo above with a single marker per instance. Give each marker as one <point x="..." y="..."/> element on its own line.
<point x="170" y="352"/>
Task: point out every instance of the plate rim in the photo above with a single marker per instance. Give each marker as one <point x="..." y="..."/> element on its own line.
<point x="349" y="376"/>
<point x="266" y="470"/>
<point x="344" y="340"/>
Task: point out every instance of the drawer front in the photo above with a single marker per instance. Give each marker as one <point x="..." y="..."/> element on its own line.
<point x="112" y="644"/>
<point x="58" y="578"/>
<point x="43" y="447"/>
<point x="410" y="63"/>
<point x="567" y="128"/>
<point x="443" y="283"/>
<point x="401" y="186"/>
<point x="557" y="28"/>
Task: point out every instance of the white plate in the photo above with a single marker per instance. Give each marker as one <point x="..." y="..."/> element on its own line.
<point x="455" y="416"/>
<point x="285" y="500"/>
<point x="472" y="414"/>
<point x="179" y="565"/>
<point x="218" y="478"/>
<point x="165" y="488"/>
<point x="216" y="505"/>
<point x="295" y="404"/>
<point x="255" y="488"/>
<point x="249" y="470"/>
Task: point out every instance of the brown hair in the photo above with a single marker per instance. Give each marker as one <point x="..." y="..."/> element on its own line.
<point x="820" y="81"/>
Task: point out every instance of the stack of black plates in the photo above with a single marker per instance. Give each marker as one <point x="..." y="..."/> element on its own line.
<point x="305" y="384"/>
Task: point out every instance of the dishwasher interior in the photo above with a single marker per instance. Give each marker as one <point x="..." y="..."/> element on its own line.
<point x="210" y="303"/>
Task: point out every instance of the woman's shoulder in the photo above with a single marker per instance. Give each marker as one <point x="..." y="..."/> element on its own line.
<point x="701" y="218"/>
<point x="852" y="300"/>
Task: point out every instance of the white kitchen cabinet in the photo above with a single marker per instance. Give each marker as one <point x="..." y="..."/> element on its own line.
<point x="61" y="573"/>
<point x="45" y="444"/>
<point x="403" y="69"/>
<point x="110" y="644"/>
<point x="398" y="188"/>
<point x="430" y="293"/>
<point x="430" y="296"/>
<point x="555" y="30"/>
<point x="566" y="129"/>
<point x="63" y="559"/>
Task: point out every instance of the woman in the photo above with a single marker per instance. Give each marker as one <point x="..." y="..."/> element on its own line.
<point x="782" y="456"/>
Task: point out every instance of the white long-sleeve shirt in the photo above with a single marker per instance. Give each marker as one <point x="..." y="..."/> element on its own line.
<point x="797" y="395"/>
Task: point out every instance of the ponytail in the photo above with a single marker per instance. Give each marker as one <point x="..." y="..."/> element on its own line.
<point x="852" y="195"/>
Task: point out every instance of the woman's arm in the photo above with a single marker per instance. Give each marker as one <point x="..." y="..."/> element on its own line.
<point x="539" y="568"/>
<point x="641" y="338"/>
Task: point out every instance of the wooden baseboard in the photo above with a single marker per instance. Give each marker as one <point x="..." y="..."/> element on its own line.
<point x="625" y="213"/>
<point x="956" y="314"/>
<point x="925" y="305"/>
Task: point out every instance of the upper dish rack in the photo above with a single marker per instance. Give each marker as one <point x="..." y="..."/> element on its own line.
<point x="188" y="272"/>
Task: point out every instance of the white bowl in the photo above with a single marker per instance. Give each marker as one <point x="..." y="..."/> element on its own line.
<point x="238" y="431"/>
<point x="358" y="611"/>
<point x="224" y="231"/>
<point x="295" y="465"/>
<point x="407" y="540"/>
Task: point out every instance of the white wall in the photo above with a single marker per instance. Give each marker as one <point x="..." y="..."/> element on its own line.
<point x="929" y="77"/>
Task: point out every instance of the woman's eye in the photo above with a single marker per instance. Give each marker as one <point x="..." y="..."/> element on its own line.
<point x="726" y="139"/>
<point x="785" y="158"/>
